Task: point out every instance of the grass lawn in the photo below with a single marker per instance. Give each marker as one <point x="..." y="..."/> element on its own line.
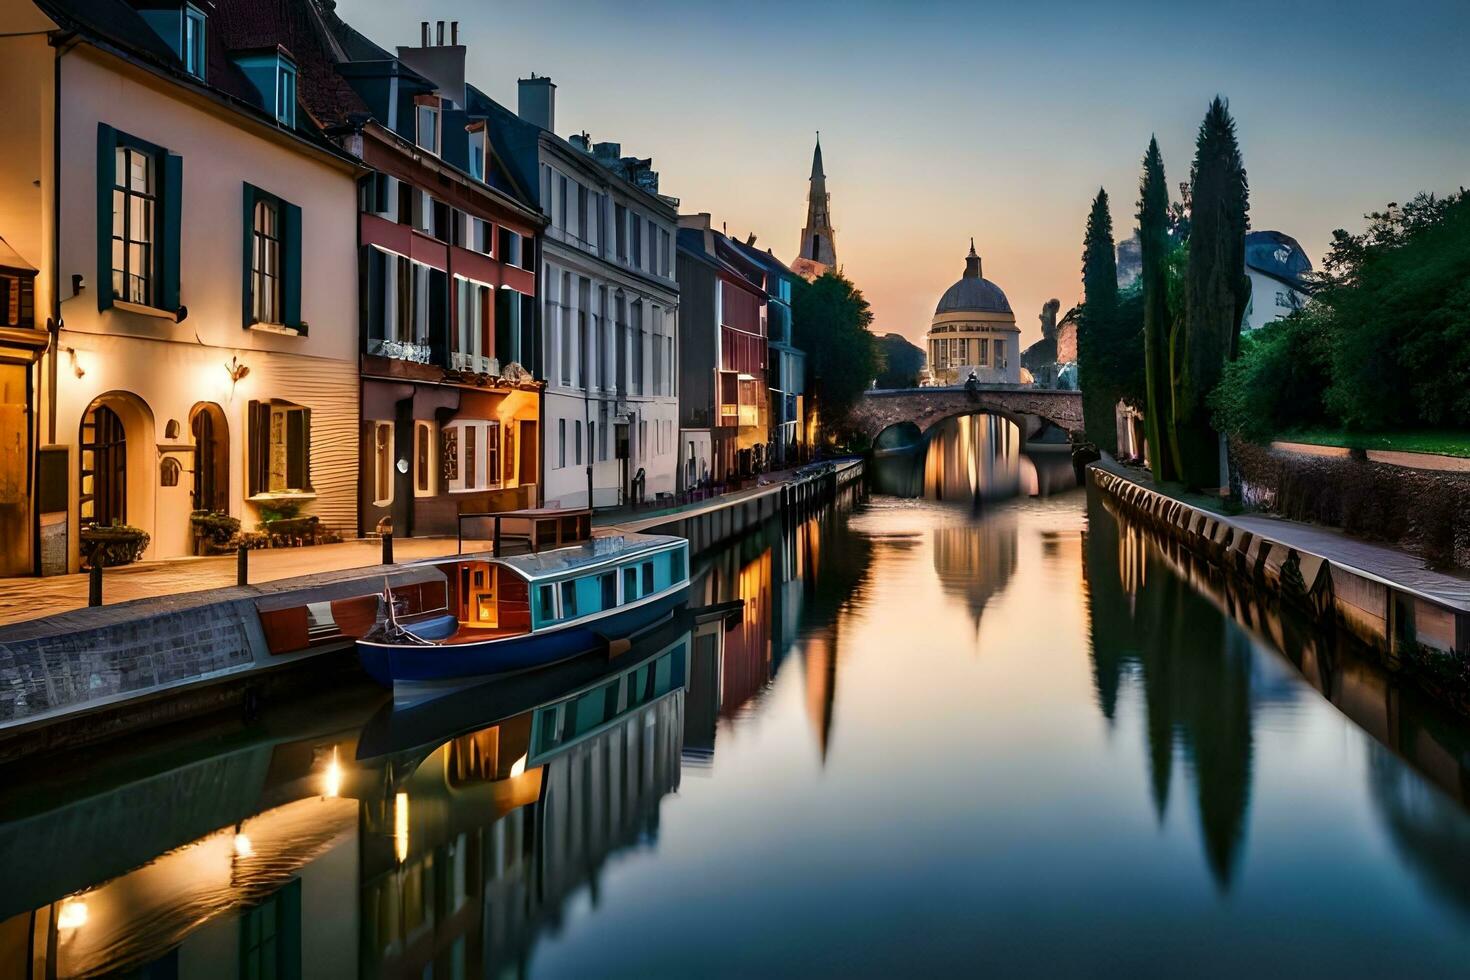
<point x="1446" y="442"/>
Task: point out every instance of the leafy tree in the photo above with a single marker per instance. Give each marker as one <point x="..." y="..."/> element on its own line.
<point x="1097" y="323"/>
<point x="1279" y="380"/>
<point x="829" y="321"/>
<point x="1158" y="322"/>
<point x="902" y="362"/>
<point x="1215" y="295"/>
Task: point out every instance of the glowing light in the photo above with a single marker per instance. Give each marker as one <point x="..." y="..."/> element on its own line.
<point x="400" y="827"/>
<point x="518" y="767"/>
<point x="73" y="915"/>
<point x="332" y="777"/>
<point x="243" y="847"/>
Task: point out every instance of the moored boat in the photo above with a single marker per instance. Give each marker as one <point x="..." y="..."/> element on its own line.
<point x="507" y="613"/>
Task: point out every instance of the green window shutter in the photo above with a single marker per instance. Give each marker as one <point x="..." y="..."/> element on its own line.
<point x="506" y="309"/>
<point x="248" y="253"/>
<point x="169" y="231"/>
<point x="258" y="419"/>
<point x="106" y="167"/>
<point x="291" y="266"/>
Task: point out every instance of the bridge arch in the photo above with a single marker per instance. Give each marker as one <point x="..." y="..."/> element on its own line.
<point x="881" y="414"/>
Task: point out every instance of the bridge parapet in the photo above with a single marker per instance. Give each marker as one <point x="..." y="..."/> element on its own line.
<point x="881" y="409"/>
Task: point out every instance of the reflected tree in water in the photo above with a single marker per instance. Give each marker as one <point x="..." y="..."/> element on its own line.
<point x="1193" y="669"/>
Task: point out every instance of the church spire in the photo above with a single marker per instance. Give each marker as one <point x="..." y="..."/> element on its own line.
<point x="972" y="262"/>
<point x="818" y="241"/>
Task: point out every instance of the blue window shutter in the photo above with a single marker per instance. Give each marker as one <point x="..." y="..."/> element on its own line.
<point x="247" y="254"/>
<point x="106" y="167"/>
<point x="169" y="231"/>
<point x="291" y="266"/>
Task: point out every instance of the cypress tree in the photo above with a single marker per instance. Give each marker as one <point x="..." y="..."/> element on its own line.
<point x="1216" y="292"/>
<point x="1096" y="327"/>
<point x="1153" y="233"/>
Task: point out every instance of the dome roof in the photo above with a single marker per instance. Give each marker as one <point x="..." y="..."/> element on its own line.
<point x="973" y="293"/>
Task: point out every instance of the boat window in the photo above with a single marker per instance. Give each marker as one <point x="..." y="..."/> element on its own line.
<point x="568" y="600"/>
<point x="547" y="736"/>
<point x="609" y="583"/>
<point x="630" y="584"/>
<point x="647" y="578"/>
<point x="662" y="673"/>
<point x="637" y="686"/>
<point x="676" y="565"/>
<point x="547" y="598"/>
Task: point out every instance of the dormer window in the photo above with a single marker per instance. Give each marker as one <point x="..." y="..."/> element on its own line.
<point x="273" y="73"/>
<point x="426" y="124"/>
<point x="193" y="53"/>
<point x="478" y="168"/>
<point x="286" y="93"/>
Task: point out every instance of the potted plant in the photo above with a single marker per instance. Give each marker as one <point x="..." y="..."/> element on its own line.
<point x="110" y="546"/>
<point x="214" y="531"/>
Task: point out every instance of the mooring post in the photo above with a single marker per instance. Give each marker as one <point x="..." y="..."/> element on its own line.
<point x="242" y="565"/>
<point x="387" y="547"/>
<point x="94" y="582"/>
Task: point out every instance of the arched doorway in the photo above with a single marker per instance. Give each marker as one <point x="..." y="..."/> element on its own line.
<point x="104" y="468"/>
<point x="211" y="436"/>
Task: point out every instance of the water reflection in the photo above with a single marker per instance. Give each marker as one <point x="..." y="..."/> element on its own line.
<point x="976" y="458"/>
<point x="1155" y="621"/>
<point x="847" y="766"/>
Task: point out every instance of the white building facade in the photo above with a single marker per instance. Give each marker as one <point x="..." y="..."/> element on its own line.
<point x="609" y="312"/>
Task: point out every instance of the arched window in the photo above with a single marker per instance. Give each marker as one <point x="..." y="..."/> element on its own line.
<point x="211" y="458"/>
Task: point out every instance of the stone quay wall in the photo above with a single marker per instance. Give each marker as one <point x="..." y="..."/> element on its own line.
<point x="1429" y="639"/>
<point x="1426" y="512"/>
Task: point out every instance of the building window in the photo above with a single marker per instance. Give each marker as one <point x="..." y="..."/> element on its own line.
<point x="478" y="157"/>
<point x="426" y="125"/>
<point x="382" y="464"/>
<point x="423" y="458"/>
<point x="561" y="434"/>
<point x="620" y="226"/>
<point x="286" y="93"/>
<point x="577" y="442"/>
<point x="134" y="213"/>
<point x="194" y="60"/>
<point x="492" y="454"/>
<point x="583" y="229"/>
<point x="637" y="242"/>
<point x="17" y="299"/>
<point x="563" y="216"/>
<point x="279" y="448"/>
<point x="265" y="270"/>
<point x="270" y="935"/>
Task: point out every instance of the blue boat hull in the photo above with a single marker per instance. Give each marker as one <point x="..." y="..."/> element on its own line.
<point x="391" y="664"/>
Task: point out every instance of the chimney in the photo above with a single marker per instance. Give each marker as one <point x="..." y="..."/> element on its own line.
<point x="750" y="240"/>
<point x="454" y="32"/>
<point x="699" y="221"/>
<point x="424" y="33"/>
<point x="439" y="34"/>
<point x="538" y="101"/>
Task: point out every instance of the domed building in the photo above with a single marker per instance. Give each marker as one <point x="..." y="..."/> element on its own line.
<point x="974" y="331"/>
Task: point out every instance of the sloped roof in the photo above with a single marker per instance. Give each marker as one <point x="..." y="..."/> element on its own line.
<point x="1279" y="256"/>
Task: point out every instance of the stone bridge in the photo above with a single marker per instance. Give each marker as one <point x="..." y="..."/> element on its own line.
<point x="880" y="410"/>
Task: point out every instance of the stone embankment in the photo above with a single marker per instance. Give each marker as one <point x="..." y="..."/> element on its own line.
<point x="88" y="674"/>
<point x="1418" y="618"/>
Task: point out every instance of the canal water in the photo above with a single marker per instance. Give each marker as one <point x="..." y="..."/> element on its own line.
<point x="940" y="737"/>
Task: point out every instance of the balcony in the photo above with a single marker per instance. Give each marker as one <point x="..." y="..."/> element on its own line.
<point x="474" y="363"/>
<point x="402" y="350"/>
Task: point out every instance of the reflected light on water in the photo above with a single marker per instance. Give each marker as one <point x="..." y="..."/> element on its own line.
<point x="243" y="847"/>
<point x="518" y="767"/>
<point x="332" y="777"/>
<point x="400" y="827"/>
<point x="73" y="915"/>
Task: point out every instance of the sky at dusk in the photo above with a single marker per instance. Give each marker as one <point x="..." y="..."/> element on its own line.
<point x="941" y="121"/>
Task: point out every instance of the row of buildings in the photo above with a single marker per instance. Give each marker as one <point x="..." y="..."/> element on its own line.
<point x="254" y="264"/>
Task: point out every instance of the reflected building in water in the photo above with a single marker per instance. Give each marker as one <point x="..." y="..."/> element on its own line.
<point x="973" y="459"/>
<point x="974" y="561"/>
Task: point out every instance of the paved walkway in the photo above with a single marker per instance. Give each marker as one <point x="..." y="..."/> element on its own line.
<point x="28" y="598"/>
<point x="1395" y="457"/>
<point x="1392" y="565"/>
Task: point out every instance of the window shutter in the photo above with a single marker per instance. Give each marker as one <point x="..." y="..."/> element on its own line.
<point x="505" y="312"/>
<point x="169" y="231"/>
<point x="530" y="350"/>
<point x="248" y="254"/>
<point x="291" y="266"/>
<point x="106" y="177"/>
<point x="258" y="422"/>
<point x="305" y="448"/>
